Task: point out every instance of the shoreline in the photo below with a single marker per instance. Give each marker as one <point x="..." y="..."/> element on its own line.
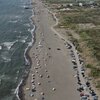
<point x="19" y="90"/>
<point x="28" y="62"/>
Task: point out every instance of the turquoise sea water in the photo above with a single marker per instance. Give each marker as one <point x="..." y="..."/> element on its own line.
<point x="15" y="36"/>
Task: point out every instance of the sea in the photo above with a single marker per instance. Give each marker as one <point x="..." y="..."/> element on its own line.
<point x="16" y="37"/>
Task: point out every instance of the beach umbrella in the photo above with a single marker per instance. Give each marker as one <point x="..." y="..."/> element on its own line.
<point x="41" y="76"/>
<point x="53" y="89"/>
<point x="39" y="83"/>
<point x="42" y="93"/>
<point x="48" y="76"/>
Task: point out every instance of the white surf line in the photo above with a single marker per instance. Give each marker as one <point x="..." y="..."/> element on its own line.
<point x="17" y="90"/>
<point x="29" y="45"/>
<point x="74" y="50"/>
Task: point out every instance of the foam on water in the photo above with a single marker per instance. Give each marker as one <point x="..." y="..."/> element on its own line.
<point x="4" y="77"/>
<point x="0" y="47"/>
<point x="28" y="25"/>
<point x="32" y="31"/>
<point x="17" y="90"/>
<point x="9" y="44"/>
<point x="23" y="39"/>
<point x="17" y="17"/>
<point x="5" y="58"/>
<point x="14" y="18"/>
<point x="13" y="21"/>
<point x="15" y="31"/>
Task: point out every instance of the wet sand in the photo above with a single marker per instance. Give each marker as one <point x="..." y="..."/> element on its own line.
<point x="51" y="73"/>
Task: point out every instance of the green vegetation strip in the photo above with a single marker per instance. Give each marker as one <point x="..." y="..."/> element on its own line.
<point x="92" y="36"/>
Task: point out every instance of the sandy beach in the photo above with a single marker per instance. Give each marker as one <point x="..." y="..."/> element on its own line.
<point x="51" y="74"/>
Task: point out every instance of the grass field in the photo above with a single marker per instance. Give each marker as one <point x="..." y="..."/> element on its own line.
<point x="80" y="16"/>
